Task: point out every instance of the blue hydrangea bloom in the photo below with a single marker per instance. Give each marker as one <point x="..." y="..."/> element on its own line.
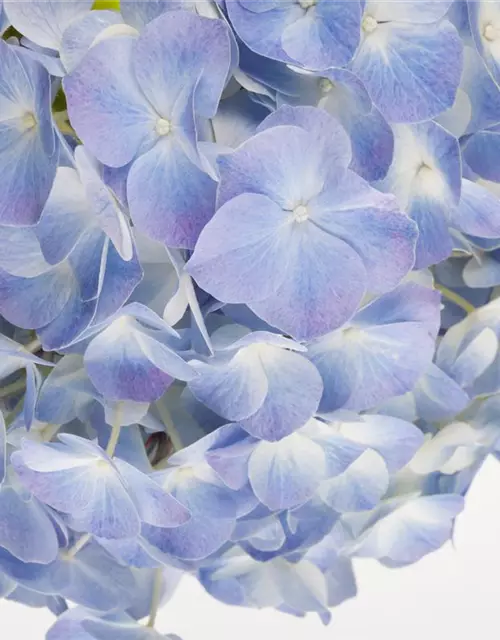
<point x="286" y="194"/>
<point x="249" y="271"/>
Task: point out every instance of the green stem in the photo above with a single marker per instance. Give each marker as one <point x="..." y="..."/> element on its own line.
<point x="155" y="598"/>
<point x="33" y="346"/>
<point x="12" y="388"/>
<point x="172" y="432"/>
<point x="455" y="298"/>
<point x="115" y="433"/>
<point x="79" y="544"/>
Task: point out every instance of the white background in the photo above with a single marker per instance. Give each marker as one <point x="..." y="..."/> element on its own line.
<point x="452" y="594"/>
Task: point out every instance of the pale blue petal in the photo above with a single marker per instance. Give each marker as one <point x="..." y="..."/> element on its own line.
<point x="434" y="243"/>
<point x="155" y="506"/>
<point x="27" y="531"/>
<point x="411" y="72"/>
<point x="285" y="474"/>
<point x="240" y="255"/>
<point x="425" y="176"/>
<point x="44" y="21"/>
<point x="170" y="198"/>
<point x="118" y="123"/>
<point x="478" y="213"/>
<point x="369" y="222"/>
<point x="314" y="298"/>
<point x="410" y="530"/>
<point x="86" y="487"/>
<point x="93" y="578"/>
<point x="79" y="36"/>
<point x="285" y="410"/>
<point x="228" y="455"/>
<point x="282" y="30"/>
<point x="234" y="389"/>
<point x="66" y="217"/>
<point x="481" y="90"/>
<point x="104" y="204"/>
<point x="358" y="364"/>
<point x="438" y="397"/>
<point x="178" y="52"/>
<point x="483" y="19"/>
<point x="129" y="362"/>
<point x="34" y="302"/>
<point x="3" y="448"/>
<point x="323" y="131"/>
<point x="396" y="441"/>
<point x="28" y="153"/>
<point x="481" y="152"/>
<point x="139" y="13"/>
<point x="412" y="11"/>
<point x="360" y="487"/>
<point x="285" y="162"/>
<point x="325" y="37"/>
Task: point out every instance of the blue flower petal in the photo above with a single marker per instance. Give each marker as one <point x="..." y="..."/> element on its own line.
<point x="128" y="361"/>
<point x="182" y="50"/>
<point x="28" y="153"/>
<point x="405" y="531"/>
<point x="81" y="33"/>
<point x="357" y="363"/>
<point x="3" y="448"/>
<point x="283" y="409"/>
<point x="325" y="36"/>
<point x="286" y="473"/>
<point x="360" y="487"/>
<point x="411" y="11"/>
<point x="44" y="22"/>
<point x="118" y="123"/>
<point x="80" y="482"/>
<point x="369" y="222"/>
<point x="27" y="531"/>
<point x="179" y="198"/>
<point x="412" y="72"/>
<point x="425" y="176"/>
<point x="483" y="19"/>
<point x="155" y="506"/>
<point x="481" y="152"/>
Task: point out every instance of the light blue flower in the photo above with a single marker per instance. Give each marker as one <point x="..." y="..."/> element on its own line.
<point x="155" y="124"/>
<point x="409" y="58"/>
<point x="403" y="530"/>
<point x="373" y="357"/>
<point x="263" y="371"/>
<point x="74" y="275"/>
<point x="315" y="34"/>
<point x="29" y="152"/>
<point x="286" y="195"/>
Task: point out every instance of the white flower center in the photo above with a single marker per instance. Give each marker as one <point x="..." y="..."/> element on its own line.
<point x="369" y="24"/>
<point x="300" y="213"/>
<point x="326" y="85"/>
<point x="163" y="127"/>
<point x="307" y="4"/>
<point x="28" y="121"/>
<point x="490" y="33"/>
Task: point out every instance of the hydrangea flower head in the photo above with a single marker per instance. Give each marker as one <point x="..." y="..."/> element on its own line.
<point x="249" y="304"/>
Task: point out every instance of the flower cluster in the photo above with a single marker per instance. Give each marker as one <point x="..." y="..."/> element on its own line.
<point x="249" y="304"/>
